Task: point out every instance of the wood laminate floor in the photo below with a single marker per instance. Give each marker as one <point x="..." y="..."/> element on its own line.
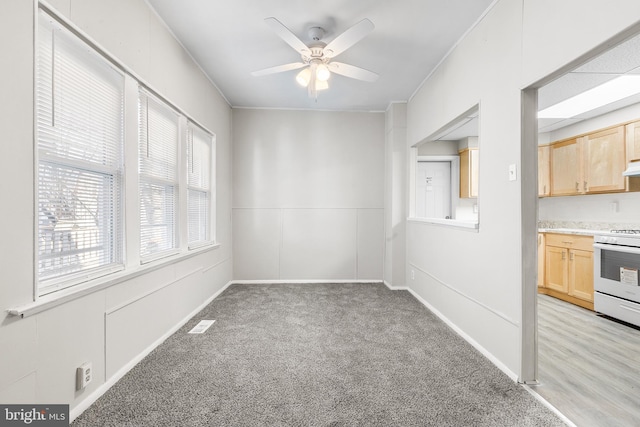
<point x="589" y="366"/>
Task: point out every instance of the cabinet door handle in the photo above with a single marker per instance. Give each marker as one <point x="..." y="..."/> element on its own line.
<point x="577" y="186"/>
<point x="586" y="187"/>
<point x="544" y="189"/>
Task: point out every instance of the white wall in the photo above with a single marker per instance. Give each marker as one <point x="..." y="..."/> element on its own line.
<point x="308" y="195"/>
<point x="114" y="326"/>
<point x="474" y="280"/>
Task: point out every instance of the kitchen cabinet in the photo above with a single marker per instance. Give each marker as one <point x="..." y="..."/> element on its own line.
<point x="556" y="271"/>
<point x="588" y="164"/>
<point x="544" y="184"/>
<point x="633" y="141"/>
<point x="469" y="173"/>
<point x="541" y="260"/>
<point x="568" y="268"/>
<point x="604" y="161"/>
<point x="581" y="274"/>
<point x="566" y="171"/>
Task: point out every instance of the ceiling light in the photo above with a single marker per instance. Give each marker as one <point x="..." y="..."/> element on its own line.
<point x="323" y="73"/>
<point x="321" y="85"/>
<point x="303" y="77"/>
<point x="611" y="91"/>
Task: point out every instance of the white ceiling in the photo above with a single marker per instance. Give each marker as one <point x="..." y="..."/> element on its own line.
<point x="230" y="40"/>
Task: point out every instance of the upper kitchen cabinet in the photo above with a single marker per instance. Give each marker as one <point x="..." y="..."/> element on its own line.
<point x="544" y="183"/>
<point x="589" y="164"/>
<point x="604" y="161"/>
<point x="469" y="173"/>
<point x="633" y="141"/>
<point x="566" y="171"/>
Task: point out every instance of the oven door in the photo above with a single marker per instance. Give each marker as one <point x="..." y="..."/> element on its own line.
<point x="615" y="270"/>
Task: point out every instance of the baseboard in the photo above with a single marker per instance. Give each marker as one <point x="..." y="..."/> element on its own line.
<point x="301" y="282"/>
<point x="95" y="395"/>
<point x="395" y="288"/>
<point x="467" y="338"/>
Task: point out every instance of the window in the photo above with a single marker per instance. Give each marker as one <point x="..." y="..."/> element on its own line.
<point x="80" y="114"/>
<point x="85" y="111"/>
<point x="199" y="184"/>
<point x="158" y="171"/>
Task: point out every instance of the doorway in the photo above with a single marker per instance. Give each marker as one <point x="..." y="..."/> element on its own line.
<point x="579" y="77"/>
<point x="433" y="189"/>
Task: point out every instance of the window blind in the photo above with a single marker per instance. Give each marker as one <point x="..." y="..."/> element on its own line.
<point x="199" y="159"/>
<point x="79" y="122"/>
<point x="158" y="172"/>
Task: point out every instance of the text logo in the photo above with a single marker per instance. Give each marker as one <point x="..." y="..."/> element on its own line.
<point x="34" y="415"/>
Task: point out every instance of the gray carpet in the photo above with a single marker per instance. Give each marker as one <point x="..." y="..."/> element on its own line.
<point x="316" y="355"/>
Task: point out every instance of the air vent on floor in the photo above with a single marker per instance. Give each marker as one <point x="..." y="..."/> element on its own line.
<point x="201" y="327"/>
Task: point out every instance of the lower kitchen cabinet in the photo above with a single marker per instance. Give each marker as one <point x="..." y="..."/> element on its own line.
<point x="541" y="260"/>
<point x="568" y="268"/>
<point x="581" y="274"/>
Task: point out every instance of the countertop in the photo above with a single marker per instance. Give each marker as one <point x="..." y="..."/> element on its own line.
<point x="577" y="231"/>
<point x="584" y="228"/>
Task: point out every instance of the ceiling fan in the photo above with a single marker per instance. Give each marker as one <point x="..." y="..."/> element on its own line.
<point x="317" y="58"/>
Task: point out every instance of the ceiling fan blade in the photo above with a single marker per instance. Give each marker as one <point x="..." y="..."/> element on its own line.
<point x="352" y="71"/>
<point x="347" y="39"/>
<point x="286" y="35"/>
<point x="278" y="69"/>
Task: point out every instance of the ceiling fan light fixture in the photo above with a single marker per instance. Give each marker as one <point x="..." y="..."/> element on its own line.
<point x="316" y="58"/>
<point x="322" y="84"/>
<point x="323" y="73"/>
<point x="303" y="77"/>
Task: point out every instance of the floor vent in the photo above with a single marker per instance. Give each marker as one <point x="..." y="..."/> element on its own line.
<point x="201" y="327"/>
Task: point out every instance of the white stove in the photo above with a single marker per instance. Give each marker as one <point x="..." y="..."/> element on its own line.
<point x="615" y="267"/>
<point x="625" y="231"/>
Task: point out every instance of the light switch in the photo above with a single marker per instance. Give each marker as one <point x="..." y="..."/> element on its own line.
<point x="512" y="173"/>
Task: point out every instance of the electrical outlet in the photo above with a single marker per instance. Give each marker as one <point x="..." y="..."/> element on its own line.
<point x="84" y="375"/>
<point x="613" y="207"/>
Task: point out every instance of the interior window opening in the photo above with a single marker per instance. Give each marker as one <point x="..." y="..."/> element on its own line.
<point x="445" y="173"/>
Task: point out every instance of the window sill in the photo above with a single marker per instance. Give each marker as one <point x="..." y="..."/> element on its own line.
<point x="453" y="223"/>
<point x="69" y="294"/>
